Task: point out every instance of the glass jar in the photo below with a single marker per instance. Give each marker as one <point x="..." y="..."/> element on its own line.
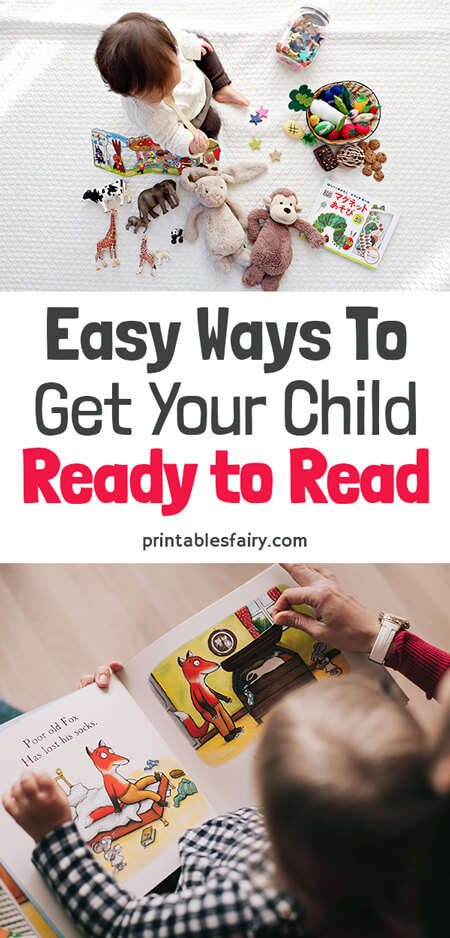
<point x="302" y="37"/>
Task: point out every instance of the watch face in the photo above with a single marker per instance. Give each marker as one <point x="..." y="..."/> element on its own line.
<point x="387" y="618"/>
<point x="222" y="642"/>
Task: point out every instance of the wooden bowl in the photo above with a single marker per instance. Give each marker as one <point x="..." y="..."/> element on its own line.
<point x="355" y="88"/>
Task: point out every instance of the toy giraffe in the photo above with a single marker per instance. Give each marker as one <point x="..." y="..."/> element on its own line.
<point x="146" y="256"/>
<point x="109" y="241"/>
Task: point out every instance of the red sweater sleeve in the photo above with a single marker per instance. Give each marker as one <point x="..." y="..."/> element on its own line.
<point x="422" y="663"/>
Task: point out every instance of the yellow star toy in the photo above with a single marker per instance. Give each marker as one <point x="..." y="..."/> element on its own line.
<point x="275" y="156"/>
<point x="255" y="144"/>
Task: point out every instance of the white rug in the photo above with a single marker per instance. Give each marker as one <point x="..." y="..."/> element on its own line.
<point x="52" y="96"/>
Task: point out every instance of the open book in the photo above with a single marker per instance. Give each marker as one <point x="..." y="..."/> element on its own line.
<point x="169" y="745"/>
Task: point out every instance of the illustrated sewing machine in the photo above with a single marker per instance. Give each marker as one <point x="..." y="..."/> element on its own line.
<point x="264" y="670"/>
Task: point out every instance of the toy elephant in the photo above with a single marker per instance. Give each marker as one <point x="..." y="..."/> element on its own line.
<point x="160" y="194"/>
<point x="134" y="222"/>
<point x="224" y="220"/>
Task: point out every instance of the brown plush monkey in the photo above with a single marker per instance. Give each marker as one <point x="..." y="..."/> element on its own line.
<point x="268" y="229"/>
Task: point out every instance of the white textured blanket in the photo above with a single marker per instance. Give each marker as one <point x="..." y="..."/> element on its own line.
<point x="52" y="96"/>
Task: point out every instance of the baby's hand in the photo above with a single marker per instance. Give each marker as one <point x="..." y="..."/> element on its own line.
<point x="102" y="675"/>
<point x="37" y="803"/>
<point x="199" y="144"/>
<point x="206" y="47"/>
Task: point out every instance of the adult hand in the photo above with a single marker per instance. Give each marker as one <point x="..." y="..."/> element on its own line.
<point x="199" y="143"/>
<point x="101" y="676"/>
<point x="37" y="803"/>
<point x="341" y="621"/>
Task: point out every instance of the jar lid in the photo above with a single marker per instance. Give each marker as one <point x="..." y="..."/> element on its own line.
<point x="317" y="11"/>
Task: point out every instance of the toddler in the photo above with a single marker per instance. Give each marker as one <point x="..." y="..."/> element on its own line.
<point x="355" y="801"/>
<point x="142" y="60"/>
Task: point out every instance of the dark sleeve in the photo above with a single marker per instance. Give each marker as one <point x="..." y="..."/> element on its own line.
<point x="202" y="702"/>
<point x="421" y="663"/>
<point x="222" y="696"/>
<point x="103" y="909"/>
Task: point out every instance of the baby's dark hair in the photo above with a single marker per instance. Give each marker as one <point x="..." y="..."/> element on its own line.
<point x="136" y="53"/>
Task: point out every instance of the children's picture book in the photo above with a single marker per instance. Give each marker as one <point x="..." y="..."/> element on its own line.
<point x="19" y="916"/>
<point x="134" y="156"/>
<point x="355" y="227"/>
<point x="130" y="798"/>
<point x="169" y="745"/>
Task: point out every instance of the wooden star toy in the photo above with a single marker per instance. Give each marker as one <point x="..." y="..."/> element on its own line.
<point x="255" y="119"/>
<point x="255" y="144"/>
<point x="262" y="112"/>
<point x="275" y="156"/>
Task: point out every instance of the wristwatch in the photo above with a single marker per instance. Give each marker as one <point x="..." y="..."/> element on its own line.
<point x="389" y="626"/>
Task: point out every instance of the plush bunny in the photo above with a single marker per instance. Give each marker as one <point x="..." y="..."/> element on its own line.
<point x="225" y="221"/>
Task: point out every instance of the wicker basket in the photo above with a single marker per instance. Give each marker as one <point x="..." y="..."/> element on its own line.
<point x="355" y="88"/>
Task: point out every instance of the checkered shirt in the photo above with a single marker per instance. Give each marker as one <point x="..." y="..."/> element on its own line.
<point x="224" y="888"/>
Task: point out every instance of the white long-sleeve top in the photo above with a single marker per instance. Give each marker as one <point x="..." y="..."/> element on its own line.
<point x="159" y="121"/>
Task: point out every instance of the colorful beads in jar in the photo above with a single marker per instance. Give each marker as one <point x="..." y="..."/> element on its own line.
<point x="302" y="37"/>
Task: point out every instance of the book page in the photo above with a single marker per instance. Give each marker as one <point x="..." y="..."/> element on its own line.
<point x="94" y="742"/>
<point x="209" y="684"/>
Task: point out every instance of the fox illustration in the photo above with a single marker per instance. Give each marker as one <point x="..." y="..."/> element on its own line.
<point x="206" y="701"/>
<point x="120" y="790"/>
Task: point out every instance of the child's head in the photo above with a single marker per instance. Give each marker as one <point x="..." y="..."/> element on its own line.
<point x="343" y="773"/>
<point x="138" y="56"/>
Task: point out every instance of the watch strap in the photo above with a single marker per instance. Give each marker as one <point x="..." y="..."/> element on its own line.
<point x="389" y="626"/>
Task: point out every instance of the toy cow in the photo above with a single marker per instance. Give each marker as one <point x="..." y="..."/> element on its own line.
<point x="106" y="194"/>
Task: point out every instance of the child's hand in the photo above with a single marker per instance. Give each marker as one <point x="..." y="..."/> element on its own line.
<point x="206" y="47"/>
<point x="200" y="143"/>
<point x="37" y="803"/>
<point x="102" y="675"/>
